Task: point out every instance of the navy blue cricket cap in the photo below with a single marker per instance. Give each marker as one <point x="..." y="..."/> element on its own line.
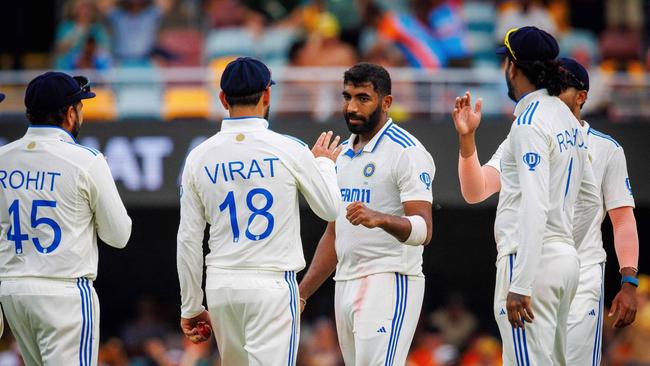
<point x="245" y="76"/>
<point x="529" y="44"/>
<point x="53" y="90"/>
<point x="578" y="76"/>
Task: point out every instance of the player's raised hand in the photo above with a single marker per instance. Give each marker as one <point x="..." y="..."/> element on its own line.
<point x="519" y="309"/>
<point x="465" y="119"/>
<point x="326" y="147"/>
<point x="624" y="305"/>
<point x="359" y="214"/>
<point x="197" y="329"/>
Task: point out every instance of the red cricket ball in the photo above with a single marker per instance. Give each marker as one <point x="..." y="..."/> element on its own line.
<point x="204" y="329"/>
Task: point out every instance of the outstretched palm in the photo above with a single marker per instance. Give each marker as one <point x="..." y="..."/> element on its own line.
<point x="465" y="119"/>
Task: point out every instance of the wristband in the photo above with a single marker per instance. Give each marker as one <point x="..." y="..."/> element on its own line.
<point x="418" y="230"/>
<point x="303" y="301"/>
<point x="631" y="280"/>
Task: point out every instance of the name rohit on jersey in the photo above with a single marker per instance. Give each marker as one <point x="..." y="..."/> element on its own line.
<point x="570" y="139"/>
<point x="239" y="170"/>
<point x="35" y="180"/>
<point x="355" y="195"/>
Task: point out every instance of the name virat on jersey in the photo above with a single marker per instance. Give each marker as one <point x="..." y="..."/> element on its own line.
<point x="233" y="170"/>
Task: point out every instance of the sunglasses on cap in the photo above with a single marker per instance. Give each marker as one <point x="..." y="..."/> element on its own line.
<point x="506" y="42"/>
<point x="84" y="87"/>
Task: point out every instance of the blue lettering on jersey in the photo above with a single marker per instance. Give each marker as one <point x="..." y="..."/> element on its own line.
<point x="233" y="170"/>
<point x="426" y="179"/>
<point x="35" y="180"/>
<point x="628" y="185"/>
<point x="532" y="160"/>
<point x="570" y="139"/>
<point x="355" y="195"/>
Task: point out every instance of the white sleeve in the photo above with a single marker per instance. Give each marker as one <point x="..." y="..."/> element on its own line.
<point x="316" y="179"/>
<point x="414" y="172"/>
<point x="189" y="254"/>
<point x="111" y="219"/>
<point x="587" y="205"/>
<point x="617" y="191"/>
<point x="495" y="160"/>
<point x="529" y="144"/>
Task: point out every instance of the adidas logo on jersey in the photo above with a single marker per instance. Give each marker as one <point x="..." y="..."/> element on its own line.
<point x="592" y="312"/>
<point x="381" y="330"/>
<point x="502" y="312"/>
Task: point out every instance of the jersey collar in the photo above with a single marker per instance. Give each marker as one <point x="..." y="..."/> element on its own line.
<point x="371" y="145"/>
<point x="49" y="133"/>
<point x="244" y="124"/>
<point x="527" y="99"/>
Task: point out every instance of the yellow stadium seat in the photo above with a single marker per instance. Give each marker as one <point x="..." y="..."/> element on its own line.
<point x="186" y="102"/>
<point x="101" y="107"/>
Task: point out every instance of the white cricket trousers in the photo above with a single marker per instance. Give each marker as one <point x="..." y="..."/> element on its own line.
<point x="255" y="316"/>
<point x="376" y="317"/>
<point x="542" y="342"/>
<point x="584" y="337"/>
<point x="55" y="322"/>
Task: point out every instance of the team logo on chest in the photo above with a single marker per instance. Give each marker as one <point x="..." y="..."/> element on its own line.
<point x="426" y="179"/>
<point x="532" y="160"/>
<point x="369" y="170"/>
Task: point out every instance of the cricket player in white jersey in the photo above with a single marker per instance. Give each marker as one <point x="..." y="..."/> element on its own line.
<point x="608" y="160"/>
<point x="376" y="245"/>
<point x="244" y="181"/>
<point x="56" y="197"/>
<point x="541" y="171"/>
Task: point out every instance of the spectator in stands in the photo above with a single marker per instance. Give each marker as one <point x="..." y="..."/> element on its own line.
<point x="134" y="28"/>
<point x="445" y="23"/>
<point x="233" y="13"/>
<point x="632" y="348"/>
<point x="516" y="14"/>
<point x="81" y="40"/>
<point x="430" y="349"/>
<point x="321" y="348"/>
<point x="484" y="351"/>
<point x="455" y="322"/>
<point x="323" y="46"/>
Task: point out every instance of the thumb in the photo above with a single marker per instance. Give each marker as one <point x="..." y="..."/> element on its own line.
<point x="614" y="307"/>
<point x="479" y="104"/>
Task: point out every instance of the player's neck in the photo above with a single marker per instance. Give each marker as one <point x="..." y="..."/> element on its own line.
<point x="363" y="138"/>
<point x="246" y="111"/>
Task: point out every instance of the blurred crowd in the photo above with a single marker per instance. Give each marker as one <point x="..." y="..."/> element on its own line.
<point x="451" y="335"/>
<point x="428" y="34"/>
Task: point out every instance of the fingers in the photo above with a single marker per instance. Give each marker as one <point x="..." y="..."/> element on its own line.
<point x="614" y="307"/>
<point x="467" y="100"/>
<point x="319" y="141"/>
<point x="337" y="152"/>
<point x="326" y="139"/>
<point x="334" y="144"/>
<point x="479" y="104"/>
<point x="528" y="313"/>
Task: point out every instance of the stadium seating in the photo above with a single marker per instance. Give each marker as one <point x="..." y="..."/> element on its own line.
<point x="186" y="102"/>
<point x="102" y="107"/>
<point x="185" y="44"/>
<point x="229" y="42"/>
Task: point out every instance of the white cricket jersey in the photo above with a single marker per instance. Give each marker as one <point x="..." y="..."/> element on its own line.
<point x="610" y="170"/>
<point x="392" y="168"/>
<point x="544" y="166"/>
<point x="56" y="197"/>
<point x="244" y="182"/>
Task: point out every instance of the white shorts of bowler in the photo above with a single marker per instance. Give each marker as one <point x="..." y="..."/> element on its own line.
<point x="55" y="322"/>
<point x="256" y="316"/>
<point x="543" y="342"/>
<point x="376" y="317"/>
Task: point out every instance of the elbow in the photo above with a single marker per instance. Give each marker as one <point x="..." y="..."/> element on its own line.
<point x="121" y="235"/>
<point x="332" y="212"/>
<point x="471" y="198"/>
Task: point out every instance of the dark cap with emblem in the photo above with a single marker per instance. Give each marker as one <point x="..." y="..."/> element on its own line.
<point x="527" y="44"/>
<point x="578" y="76"/>
<point x="245" y="76"/>
<point x="54" y="90"/>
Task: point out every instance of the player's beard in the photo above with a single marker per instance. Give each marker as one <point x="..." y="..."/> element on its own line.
<point x="76" y="126"/>
<point x="369" y="123"/>
<point x="511" y="88"/>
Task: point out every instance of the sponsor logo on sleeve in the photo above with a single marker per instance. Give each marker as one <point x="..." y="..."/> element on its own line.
<point x="532" y="160"/>
<point x="426" y="179"/>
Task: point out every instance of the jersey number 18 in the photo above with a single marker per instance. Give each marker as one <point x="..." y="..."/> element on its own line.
<point x="230" y="204"/>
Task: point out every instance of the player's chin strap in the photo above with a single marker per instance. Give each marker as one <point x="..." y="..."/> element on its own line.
<point x="418" y="230"/>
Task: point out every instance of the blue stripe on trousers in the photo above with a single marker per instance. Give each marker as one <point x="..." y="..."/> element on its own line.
<point x="405" y="291"/>
<point x="83" y="323"/>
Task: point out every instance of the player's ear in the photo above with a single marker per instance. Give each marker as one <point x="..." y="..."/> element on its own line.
<point x="266" y="96"/>
<point x="386" y="102"/>
<point x="69" y="117"/>
<point x="222" y="98"/>
<point x="582" y="97"/>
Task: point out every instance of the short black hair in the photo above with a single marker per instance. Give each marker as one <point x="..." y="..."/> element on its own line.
<point x="54" y="118"/>
<point x="247" y="100"/>
<point x="545" y="74"/>
<point x="363" y="73"/>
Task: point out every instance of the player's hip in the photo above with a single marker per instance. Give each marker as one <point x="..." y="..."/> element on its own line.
<point x="44" y="286"/>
